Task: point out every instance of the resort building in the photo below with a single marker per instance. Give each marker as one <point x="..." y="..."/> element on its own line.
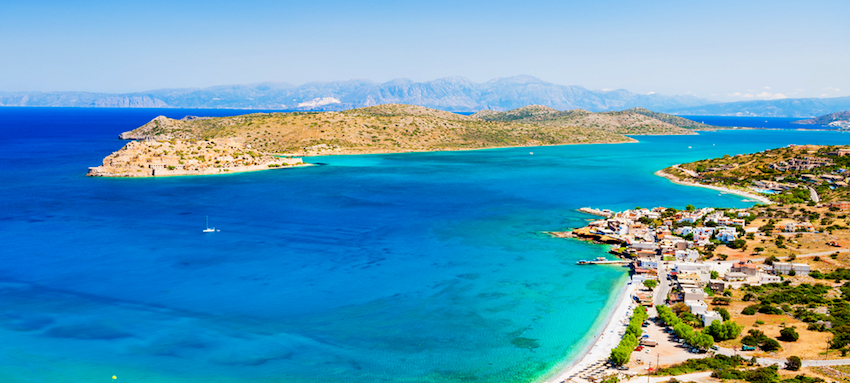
<point x="785" y="268"/>
<point x="710" y="316"/>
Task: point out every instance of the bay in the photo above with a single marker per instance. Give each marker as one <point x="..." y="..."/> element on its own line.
<point x="418" y="267"/>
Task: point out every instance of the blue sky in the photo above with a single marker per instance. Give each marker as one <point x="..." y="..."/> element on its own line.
<point x="722" y="50"/>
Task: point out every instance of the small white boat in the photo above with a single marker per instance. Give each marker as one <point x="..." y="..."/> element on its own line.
<point x="209" y="229"/>
<point x="689" y="147"/>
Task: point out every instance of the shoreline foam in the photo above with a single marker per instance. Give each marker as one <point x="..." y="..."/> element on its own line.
<point x="677" y="180"/>
<point x="600" y="346"/>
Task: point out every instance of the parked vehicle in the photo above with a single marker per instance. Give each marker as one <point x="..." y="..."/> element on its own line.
<point x="748" y="348"/>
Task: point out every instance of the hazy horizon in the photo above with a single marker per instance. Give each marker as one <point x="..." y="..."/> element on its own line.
<point x="721" y="51"/>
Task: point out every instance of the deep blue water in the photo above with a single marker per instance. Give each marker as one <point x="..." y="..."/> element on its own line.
<point x="425" y="267"/>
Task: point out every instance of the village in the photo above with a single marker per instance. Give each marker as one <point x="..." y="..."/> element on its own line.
<point x="711" y="283"/>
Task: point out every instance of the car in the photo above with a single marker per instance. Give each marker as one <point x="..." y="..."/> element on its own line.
<point x="645" y="336"/>
<point x="623" y="368"/>
<point x="714" y="347"/>
<point x="639" y="348"/>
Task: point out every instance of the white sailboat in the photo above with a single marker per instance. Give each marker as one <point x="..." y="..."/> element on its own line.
<point x="210" y="229"/>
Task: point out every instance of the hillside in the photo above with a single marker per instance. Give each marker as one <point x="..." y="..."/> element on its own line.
<point x="452" y="94"/>
<point x="826" y="119"/>
<point x="636" y="121"/>
<point x="378" y="129"/>
<point x="783" y="174"/>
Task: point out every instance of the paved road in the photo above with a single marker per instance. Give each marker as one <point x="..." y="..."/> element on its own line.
<point x="819" y="254"/>
<point x="663" y="286"/>
<point x="814" y="194"/>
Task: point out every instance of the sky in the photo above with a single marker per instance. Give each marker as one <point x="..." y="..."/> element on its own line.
<point x="719" y="50"/>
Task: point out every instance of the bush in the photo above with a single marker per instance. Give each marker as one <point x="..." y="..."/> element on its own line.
<point x="694" y="365"/>
<point x="770" y="345"/>
<point x="724" y="313"/>
<point x="650" y="283"/>
<point x="794" y="363"/>
<point x="759" y="375"/>
<point x="788" y="334"/>
<point x="750" y="310"/>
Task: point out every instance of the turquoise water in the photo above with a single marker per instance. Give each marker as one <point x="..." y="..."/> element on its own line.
<point x="425" y="267"/>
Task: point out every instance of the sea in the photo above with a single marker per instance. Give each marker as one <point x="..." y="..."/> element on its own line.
<point x="417" y="267"/>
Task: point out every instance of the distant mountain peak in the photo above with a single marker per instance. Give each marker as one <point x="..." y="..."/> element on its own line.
<point x="457" y="94"/>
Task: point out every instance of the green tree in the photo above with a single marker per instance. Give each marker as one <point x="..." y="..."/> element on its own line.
<point x="793" y="363"/>
<point x="723" y="313"/>
<point x="701" y="341"/>
<point x="788" y="334"/>
<point x="770" y="345"/>
<point x="714" y="274"/>
<point x="650" y="283"/>
<point x="690" y="208"/>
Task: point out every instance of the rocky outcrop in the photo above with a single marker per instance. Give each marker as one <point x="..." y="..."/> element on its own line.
<point x="151" y="158"/>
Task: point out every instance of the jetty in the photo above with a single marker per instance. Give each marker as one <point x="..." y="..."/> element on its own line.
<point x="605" y="262"/>
<point x="600" y="212"/>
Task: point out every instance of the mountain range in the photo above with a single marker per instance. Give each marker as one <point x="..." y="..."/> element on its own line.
<point x="787" y="107"/>
<point x="455" y="94"/>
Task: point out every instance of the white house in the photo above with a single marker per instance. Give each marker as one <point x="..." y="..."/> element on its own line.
<point x="710" y="316"/>
<point x="688" y="255"/>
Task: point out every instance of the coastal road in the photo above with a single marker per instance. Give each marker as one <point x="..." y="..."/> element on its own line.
<point x="813" y="194"/>
<point x="663" y="286"/>
<point x="819" y="254"/>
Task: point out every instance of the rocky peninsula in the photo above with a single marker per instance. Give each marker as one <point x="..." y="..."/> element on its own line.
<point x="152" y="158"/>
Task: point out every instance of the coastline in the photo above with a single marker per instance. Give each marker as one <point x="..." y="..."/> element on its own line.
<point x="676" y="180"/>
<point x="600" y="345"/>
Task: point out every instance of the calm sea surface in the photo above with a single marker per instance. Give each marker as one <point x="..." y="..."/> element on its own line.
<point x="427" y="267"/>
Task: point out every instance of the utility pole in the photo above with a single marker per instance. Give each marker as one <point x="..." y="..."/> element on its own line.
<point x="647" y="372"/>
<point x="657" y="362"/>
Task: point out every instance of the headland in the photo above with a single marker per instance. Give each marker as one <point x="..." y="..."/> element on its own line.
<point x="152" y="158"/>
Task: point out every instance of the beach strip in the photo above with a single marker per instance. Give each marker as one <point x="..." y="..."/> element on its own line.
<point x="674" y="179"/>
<point x="600" y="347"/>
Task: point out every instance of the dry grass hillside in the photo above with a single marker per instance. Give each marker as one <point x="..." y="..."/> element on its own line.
<point x="378" y="129"/>
<point x="636" y="121"/>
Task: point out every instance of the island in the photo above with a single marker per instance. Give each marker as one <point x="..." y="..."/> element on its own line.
<point x="200" y="145"/>
<point x="839" y="120"/>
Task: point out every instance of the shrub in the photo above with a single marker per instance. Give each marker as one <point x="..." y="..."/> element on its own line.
<point x="794" y="363"/>
<point x="750" y="310"/>
<point x="650" y="283"/>
<point x="788" y="334"/>
<point x="724" y="313"/>
<point x="770" y="345"/>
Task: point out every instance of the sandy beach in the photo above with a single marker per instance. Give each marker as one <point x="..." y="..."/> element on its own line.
<point x="606" y="340"/>
<point x="674" y="179"/>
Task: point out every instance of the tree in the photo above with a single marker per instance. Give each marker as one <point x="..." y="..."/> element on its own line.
<point x="788" y="334"/>
<point x="770" y="345"/>
<point x="701" y="341"/>
<point x="650" y="283"/>
<point x="793" y="363"/>
<point x="723" y="313"/>
<point x="714" y="274"/>
<point x="620" y="355"/>
<point x="690" y="208"/>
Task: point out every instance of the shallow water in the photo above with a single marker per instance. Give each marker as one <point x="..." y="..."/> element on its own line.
<point x="425" y="267"/>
